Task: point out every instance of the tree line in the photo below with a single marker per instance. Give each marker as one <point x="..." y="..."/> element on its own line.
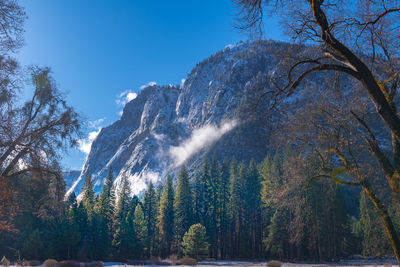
<point x="266" y="210"/>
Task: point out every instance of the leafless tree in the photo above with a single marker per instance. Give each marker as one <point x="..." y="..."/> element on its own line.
<point x="359" y="39"/>
<point x="32" y="134"/>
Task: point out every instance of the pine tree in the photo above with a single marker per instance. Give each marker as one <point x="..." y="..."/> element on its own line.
<point x="140" y="226"/>
<point x="195" y="243"/>
<point x="213" y="200"/>
<point x="150" y="210"/>
<point x="237" y="176"/>
<point x="370" y="230"/>
<point x="124" y="201"/>
<point x="125" y="238"/>
<point x="33" y="246"/>
<point x="121" y="211"/>
<point x="68" y="235"/>
<point x="106" y="208"/>
<point x="100" y="242"/>
<point x="183" y="205"/>
<point x="88" y="195"/>
<point x="88" y="202"/>
<point x="252" y="214"/>
<point x="199" y="209"/>
<point x="166" y="218"/>
<point x="106" y="204"/>
<point x="224" y="208"/>
<point x="277" y="236"/>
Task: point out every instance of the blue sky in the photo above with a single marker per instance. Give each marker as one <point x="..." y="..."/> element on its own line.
<point x="98" y="49"/>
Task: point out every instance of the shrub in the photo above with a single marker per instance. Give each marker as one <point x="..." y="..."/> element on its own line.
<point x="274" y="264"/>
<point x="67" y="264"/>
<point x="50" y="263"/>
<point x="188" y="261"/>
<point x="5" y="262"/>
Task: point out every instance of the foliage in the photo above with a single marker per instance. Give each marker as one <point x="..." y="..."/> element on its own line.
<point x="166" y="218"/>
<point x="358" y="41"/>
<point x="183" y="205"/>
<point x="195" y="242"/>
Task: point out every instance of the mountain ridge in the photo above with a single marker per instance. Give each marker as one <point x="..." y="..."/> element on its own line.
<point x="166" y="126"/>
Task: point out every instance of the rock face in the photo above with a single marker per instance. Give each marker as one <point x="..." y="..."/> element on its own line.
<point x="167" y="126"/>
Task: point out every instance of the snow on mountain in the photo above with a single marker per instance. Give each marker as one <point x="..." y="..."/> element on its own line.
<point x="164" y="127"/>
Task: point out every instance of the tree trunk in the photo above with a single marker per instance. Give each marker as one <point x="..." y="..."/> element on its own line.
<point x="385" y="217"/>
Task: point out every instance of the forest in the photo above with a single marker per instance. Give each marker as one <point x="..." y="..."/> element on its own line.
<point x="242" y="211"/>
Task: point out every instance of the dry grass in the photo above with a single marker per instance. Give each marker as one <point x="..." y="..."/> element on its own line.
<point x="50" y="263"/>
<point x="274" y="264"/>
<point x="31" y="263"/>
<point x="188" y="261"/>
<point x="68" y="263"/>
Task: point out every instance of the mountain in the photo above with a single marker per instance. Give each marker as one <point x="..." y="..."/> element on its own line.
<point x="70" y="178"/>
<point x="211" y="112"/>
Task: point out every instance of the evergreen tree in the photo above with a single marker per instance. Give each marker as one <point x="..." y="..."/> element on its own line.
<point x="183" y="205"/>
<point x="33" y="247"/>
<point x="199" y="208"/>
<point x="223" y="212"/>
<point x="106" y="210"/>
<point x="125" y="238"/>
<point x="277" y="236"/>
<point x="195" y="243"/>
<point x="252" y="215"/>
<point x="140" y="226"/>
<point x="106" y="203"/>
<point x="86" y="214"/>
<point x="121" y="212"/>
<point x="166" y="218"/>
<point x="237" y="176"/>
<point x="150" y="211"/>
<point x="69" y="236"/>
<point x="88" y="195"/>
<point x="213" y="200"/>
<point x="369" y="229"/>
<point x="124" y="201"/>
<point x="100" y="242"/>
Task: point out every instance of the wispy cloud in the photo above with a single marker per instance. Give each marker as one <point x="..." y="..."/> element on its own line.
<point x="199" y="139"/>
<point x="85" y="144"/>
<point x="125" y="97"/>
<point x="148" y="84"/>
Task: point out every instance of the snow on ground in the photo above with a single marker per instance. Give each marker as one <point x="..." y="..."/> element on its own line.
<point x="349" y="263"/>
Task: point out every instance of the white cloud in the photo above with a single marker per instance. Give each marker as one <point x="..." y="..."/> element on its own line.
<point x="85" y="144"/>
<point x="148" y="85"/>
<point x="199" y="138"/>
<point x="125" y="97"/>
<point x="96" y="123"/>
